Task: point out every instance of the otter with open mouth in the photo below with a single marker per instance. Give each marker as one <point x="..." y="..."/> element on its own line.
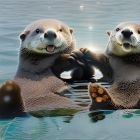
<point x="45" y="52"/>
<point x="120" y="65"/>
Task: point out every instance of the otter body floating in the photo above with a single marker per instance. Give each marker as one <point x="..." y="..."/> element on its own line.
<point x="45" y="52"/>
<point x="120" y="65"/>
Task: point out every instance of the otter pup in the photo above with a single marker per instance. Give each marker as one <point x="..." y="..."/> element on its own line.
<point x="120" y="65"/>
<point x="45" y="52"/>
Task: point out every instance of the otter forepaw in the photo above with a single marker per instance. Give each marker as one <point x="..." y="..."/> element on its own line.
<point x="78" y="57"/>
<point x="71" y="59"/>
<point x="87" y="54"/>
<point x="84" y="50"/>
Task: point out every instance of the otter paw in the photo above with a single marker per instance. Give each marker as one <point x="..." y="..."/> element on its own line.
<point x="98" y="93"/>
<point x="11" y="100"/>
<point x="84" y="50"/>
<point x="87" y="54"/>
<point x="78" y="57"/>
<point x="77" y="54"/>
<point x="71" y="59"/>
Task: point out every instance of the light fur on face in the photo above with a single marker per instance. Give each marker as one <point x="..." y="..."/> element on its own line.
<point x="36" y="42"/>
<point x="117" y="40"/>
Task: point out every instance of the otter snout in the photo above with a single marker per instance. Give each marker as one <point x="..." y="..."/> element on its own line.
<point x="124" y="39"/>
<point x="127" y="33"/>
<point x="50" y="34"/>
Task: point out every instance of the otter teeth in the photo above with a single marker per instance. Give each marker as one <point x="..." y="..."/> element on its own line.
<point x="50" y="48"/>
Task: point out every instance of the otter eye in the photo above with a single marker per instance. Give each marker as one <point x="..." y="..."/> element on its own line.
<point x="60" y="30"/>
<point x="117" y="29"/>
<point x="139" y="31"/>
<point x="37" y="31"/>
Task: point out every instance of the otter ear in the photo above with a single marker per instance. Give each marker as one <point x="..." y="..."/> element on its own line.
<point x="108" y="32"/>
<point x="23" y="35"/>
<point x="71" y="30"/>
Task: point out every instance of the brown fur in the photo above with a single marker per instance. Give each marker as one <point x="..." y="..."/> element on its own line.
<point x="119" y="66"/>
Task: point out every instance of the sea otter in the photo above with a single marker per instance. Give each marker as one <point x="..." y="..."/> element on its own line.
<point x="46" y="50"/>
<point x="48" y="43"/>
<point x="120" y="65"/>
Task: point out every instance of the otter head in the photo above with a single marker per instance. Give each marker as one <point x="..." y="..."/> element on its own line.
<point x="47" y="36"/>
<point x="124" y="40"/>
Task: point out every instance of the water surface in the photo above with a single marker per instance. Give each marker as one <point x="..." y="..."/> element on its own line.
<point x="90" y="20"/>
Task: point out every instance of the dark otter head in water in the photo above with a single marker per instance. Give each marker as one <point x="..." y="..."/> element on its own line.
<point x="47" y="36"/>
<point x="124" y="40"/>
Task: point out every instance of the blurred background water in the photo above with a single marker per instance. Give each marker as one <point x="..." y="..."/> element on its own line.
<point x="90" y="20"/>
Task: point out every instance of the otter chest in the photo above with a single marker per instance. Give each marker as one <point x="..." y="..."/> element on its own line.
<point x="124" y="71"/>
<point x="36" y="72"/>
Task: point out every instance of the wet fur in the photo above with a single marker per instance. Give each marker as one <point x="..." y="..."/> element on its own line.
<point x="123" y="71"/>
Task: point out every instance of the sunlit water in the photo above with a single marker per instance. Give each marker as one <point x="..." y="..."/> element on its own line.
<point x="90" y="20"/>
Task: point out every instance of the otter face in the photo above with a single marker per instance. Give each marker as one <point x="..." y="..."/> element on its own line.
<point x="124" y="40"/>
<point x="47" y="36"/>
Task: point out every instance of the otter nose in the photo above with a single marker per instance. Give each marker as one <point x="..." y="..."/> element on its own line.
<point x="50" y="34"/>
<point x="127" y="33"/>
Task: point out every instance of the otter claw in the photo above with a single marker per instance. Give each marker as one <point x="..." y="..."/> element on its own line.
<point x="88" y="60"/>
<point x="78" y="53"/>
<point x="78" y="56"/>
<point x="83" y="50"/>
<point x="73" y="55"/>
<point x="80" y="63"/>
<point x="71" y="59"/>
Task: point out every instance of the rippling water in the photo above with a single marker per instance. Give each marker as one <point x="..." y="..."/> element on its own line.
<point x="90" y="20"/>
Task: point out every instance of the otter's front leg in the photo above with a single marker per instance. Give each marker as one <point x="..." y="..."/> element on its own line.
<point x="100" y="98"/>
<point x="88" y="70"/>
<point x="66" y="62"/>
<point x="101" y="62"/>
<point x="97" y="60"/>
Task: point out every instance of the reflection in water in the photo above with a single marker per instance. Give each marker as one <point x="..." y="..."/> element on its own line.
<point x="96" y="118"/>
<point x="98" y="115"/>
<point x="130" y="113"/>
<point x="3" y="129"/>
<point x="81" y="126"/>
<point x="109" y="125"/>
<point x="38" y="128"/>
<point x="68" y="119"/>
